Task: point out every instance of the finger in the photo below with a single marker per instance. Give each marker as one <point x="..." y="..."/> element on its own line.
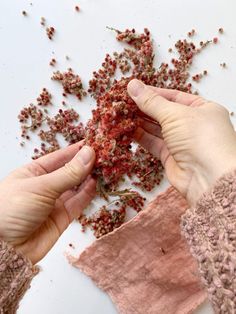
<point x="177" y="96"/>
<point x="143" y="115"/>
<point x="153" y="144"/>
<point x="150" y="102"/>
<point x="71" y="174"/>
<point x="58" y="158"/>
<point x="150" y="127"/>
<point x="76" y="204"/>
<point x="68" y="194"/>
<point x="72" y="192"/>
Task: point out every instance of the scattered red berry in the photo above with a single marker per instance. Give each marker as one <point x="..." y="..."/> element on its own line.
<point x="43" y="21"/>
<point x="190" y="34"/>
<point x="221" y="31"/>
<point x="52" y="62"/>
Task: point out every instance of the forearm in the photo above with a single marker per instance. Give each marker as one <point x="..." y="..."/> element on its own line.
<point x="210" y="229"/>
<point x="16" y="273"/>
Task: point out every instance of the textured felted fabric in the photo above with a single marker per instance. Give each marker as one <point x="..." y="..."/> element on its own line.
<point x="145" y="265"/>
<point x="16" y="273"/>
<point x="210" y="228"/>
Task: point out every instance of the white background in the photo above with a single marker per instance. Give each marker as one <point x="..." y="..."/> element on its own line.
<point x="25" y="52"/>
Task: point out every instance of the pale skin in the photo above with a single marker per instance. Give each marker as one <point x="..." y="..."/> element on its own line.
<point x="196" y="144"/>
<point x="38" y="201"/>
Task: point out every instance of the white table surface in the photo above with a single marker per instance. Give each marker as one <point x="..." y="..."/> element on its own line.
<point x="25" y="52"/>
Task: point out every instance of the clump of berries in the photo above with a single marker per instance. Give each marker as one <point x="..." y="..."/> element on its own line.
<point x="65" y="122"/>
<point x="147" y="169"/>
<point x="103" y="221"/>
<point x="71" y="83"/>
<point x="44" y="99"/>
<point x="106" y="220"/>
<point x="30" y="118"/>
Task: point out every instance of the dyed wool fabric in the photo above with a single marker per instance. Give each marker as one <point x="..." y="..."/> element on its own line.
<point x="145" y="265"/>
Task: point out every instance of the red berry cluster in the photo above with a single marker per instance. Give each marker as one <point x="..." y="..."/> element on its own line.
<point x="147" y="169"/>
<point x="110" y="132"/>
<point x="65" y="122"/>
<point x="103" y="221"/>
<point x="50" y="31"/>
<point x="62" y="123"/>
<point x="30" y="118"/>
<point x="71" y="83"/>
<point x="101" y="80"/>
<point x="106" y="220"/>
<point x="44" y="98"/>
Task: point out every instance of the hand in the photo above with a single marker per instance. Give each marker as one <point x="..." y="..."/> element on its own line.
<point x="196" y="142"/>
<point x="38" y="201"/>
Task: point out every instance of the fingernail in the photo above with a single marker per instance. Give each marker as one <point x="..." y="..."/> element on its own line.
<point x="85" y="155"/>
<point x="135" y="88"/>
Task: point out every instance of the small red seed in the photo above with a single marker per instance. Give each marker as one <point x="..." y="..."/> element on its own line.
<point x="221" y="31"/>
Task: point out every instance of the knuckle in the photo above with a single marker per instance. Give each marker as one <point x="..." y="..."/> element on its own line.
<point x="150" y="100"/>
<point x="73" y="172"/>
<point x="198" y="102"/>
<point x="219" y="108"/>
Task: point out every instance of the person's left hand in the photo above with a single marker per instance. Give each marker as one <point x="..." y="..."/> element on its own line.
<point x="38" y="202"/>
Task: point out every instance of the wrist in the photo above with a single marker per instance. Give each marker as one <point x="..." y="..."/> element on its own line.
<point x="205" y="178"/>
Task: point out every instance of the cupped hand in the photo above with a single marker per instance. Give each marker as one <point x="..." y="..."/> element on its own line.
<point x="38" y="201"/>
<point x="195" y="139"/>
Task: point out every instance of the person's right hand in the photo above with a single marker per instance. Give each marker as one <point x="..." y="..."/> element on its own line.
<point x="196" y="142"/>
<point x="39" y="200"/>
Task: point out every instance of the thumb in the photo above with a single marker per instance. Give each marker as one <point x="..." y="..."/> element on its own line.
<point x="150" y="102"/>
<point x="72" y="173"/>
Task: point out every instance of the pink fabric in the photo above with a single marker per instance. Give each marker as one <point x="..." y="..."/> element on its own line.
<point x="145" y="265"/>
<point x="16" y="273"/>
<point x="210" y="229"/>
